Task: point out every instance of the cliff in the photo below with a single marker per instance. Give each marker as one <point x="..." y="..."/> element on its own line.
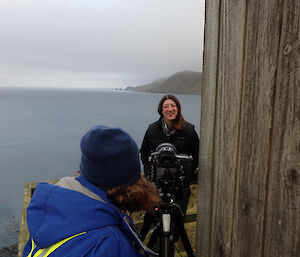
<point x="184" y="82"/>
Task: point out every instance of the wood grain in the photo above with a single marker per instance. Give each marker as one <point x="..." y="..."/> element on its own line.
<point x="282" y="237"/>
<point x="250" y="135"/>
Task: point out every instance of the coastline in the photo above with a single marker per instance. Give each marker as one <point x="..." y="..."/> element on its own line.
<point x="9" y="251"/>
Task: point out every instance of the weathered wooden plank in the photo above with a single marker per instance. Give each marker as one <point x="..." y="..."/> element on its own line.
<point x="208" y="101"/>
<point x="256" y="207"/>
<point x="282" y="237"/>
<point x="230" y="76"/>
<point x="24" y="234"/>
<point x="261" y="56"/>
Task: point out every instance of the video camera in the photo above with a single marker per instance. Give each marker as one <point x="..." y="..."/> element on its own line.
<point x="169" y="171"/>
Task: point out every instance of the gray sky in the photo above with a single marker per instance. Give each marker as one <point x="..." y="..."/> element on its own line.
<point x="98" y="43"/>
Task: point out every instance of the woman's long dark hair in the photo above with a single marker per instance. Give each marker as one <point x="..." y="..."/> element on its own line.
<point x="140" y="196"/>
<point x="179" y="122"/>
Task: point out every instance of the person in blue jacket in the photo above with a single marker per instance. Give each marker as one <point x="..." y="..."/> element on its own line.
<point x="82" y="216"/>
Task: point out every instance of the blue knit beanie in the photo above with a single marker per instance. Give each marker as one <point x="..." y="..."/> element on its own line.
<point x="110" y="158"/>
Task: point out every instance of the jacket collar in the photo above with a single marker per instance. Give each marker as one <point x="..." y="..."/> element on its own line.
<point x="129" y="227"/>
<point x="82" y="180"/>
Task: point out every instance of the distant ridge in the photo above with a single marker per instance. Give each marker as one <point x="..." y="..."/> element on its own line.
<point x="183" y="82"/>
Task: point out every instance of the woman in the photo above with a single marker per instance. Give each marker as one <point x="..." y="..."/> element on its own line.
<point x="82" y="216"/>
<point x="172" y="128"/>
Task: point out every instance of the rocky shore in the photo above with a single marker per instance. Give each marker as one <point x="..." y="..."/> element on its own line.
<point x="9" y="251"/>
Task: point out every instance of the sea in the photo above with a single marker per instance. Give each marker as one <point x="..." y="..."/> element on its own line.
<point x="40" y="132"/>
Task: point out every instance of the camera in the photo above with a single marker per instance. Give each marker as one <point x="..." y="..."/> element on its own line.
<point x="170" y="172"/>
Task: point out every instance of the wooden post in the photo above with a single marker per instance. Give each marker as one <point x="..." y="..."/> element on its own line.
<point x="205" y="176"/>
<point x="249" y="183"/>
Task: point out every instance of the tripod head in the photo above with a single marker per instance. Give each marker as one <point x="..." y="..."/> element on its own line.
<point x="167" y="207"/>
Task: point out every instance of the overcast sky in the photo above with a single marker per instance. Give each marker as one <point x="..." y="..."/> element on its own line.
<point x="98" y="43"/>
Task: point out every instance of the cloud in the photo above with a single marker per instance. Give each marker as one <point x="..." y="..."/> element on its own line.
<point x="136" y="39"/>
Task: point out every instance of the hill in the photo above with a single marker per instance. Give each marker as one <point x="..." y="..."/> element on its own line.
<point x="184" y="82"/>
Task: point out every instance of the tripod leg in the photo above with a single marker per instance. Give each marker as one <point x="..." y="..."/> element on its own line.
<point x="148" y="220"/>
<point x="154" y="237"/>
<point x="166" y="239"/>
<point x="166" y="248"/>
<point x="161" y="239"/>
<point x="178" y="221"/>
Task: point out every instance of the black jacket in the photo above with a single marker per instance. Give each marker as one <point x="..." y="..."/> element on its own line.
<point x="186" y="141"/>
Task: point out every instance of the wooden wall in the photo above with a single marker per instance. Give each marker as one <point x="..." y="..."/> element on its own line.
<point x="249" y="182"/>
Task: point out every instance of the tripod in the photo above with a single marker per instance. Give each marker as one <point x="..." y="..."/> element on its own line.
<point x="167" y="213"/>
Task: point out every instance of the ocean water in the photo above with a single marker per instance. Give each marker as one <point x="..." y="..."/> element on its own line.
<point x="40" y="131"/>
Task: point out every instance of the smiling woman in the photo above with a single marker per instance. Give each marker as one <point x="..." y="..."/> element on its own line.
<point x="173" y="129"/>
<point x="170" y="128"/>
<point x="169" y="111"/>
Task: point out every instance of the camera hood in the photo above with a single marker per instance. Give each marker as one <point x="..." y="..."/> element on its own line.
<point x="166" y="147"/>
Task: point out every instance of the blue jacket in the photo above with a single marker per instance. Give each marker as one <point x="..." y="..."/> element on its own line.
<point x="79" y="213"/>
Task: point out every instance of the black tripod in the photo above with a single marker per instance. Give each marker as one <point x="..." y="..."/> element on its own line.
<point x="167" y="213"/>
